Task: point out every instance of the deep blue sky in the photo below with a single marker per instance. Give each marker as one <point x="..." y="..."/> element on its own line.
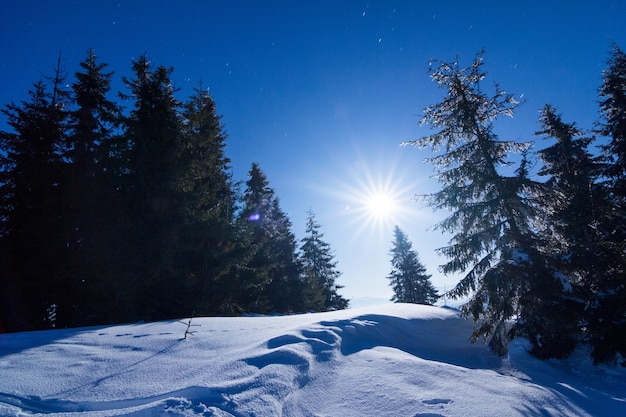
<point x="321" y="93"/>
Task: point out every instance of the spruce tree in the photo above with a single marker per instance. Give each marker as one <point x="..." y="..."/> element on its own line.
<point x="284" y="289"/>
<point x="494" y="216"/>
<point x="34" y="224"/>
<point x="91" y="196"/>
<point x="575" y="214"/>
<point x="269" y="272"/>
<point x="577" y="200"/>
<point x="152" y="290"/>
<point x="613" y="120"/>
<point x="253" y="272"/>
<point x="607" y="306"/>
<point x="207" y="198"/>
<point x="408" y="278"/>
<point x="319" y="270"/>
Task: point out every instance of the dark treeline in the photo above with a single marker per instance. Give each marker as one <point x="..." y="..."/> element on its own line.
<point x="111" y="216"/>
<point x="542" y="259"/>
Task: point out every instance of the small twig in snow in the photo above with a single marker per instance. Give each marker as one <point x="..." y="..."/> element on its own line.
<point x="188" y="330"/>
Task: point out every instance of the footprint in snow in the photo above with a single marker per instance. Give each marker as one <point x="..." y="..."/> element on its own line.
<point x="436" y="401"/>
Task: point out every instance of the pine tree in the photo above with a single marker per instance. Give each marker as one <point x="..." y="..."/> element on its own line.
<point x="152" y="290"/>
<point x="319" y="270"/>
<point x="613" y="125"/>
<point x="206" y="195"/>
<point x="284" y="290"/>
<point x="575" y="213"/>
<point x="253" y="272"/>
<point x="91" y="193"/>
<point x="494" y="217"/>
<point x="269" y="273"/>
<point x="34" y="224"/>
<point x="607" y="306"/>
<point x="577" y="200"/>
<point x="408" y="277"/>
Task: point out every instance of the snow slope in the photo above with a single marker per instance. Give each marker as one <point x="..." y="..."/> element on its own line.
<point x="389" y="360"/>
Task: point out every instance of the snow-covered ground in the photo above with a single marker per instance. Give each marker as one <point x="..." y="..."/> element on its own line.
<point x="388" y="360"/>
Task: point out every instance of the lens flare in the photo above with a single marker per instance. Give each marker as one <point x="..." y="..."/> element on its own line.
<point x="372" y="196"/>
<point x="380" y="204"/>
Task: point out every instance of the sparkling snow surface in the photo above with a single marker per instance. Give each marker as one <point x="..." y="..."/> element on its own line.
<point x="390" y="360"/>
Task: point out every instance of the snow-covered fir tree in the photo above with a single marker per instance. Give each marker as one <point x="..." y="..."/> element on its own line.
<point x="493" y="216"/>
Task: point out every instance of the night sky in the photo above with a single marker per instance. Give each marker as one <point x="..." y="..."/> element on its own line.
<point x="322" y="93"/>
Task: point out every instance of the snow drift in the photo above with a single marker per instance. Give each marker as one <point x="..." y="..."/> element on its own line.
<point x="390" y="360"/>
